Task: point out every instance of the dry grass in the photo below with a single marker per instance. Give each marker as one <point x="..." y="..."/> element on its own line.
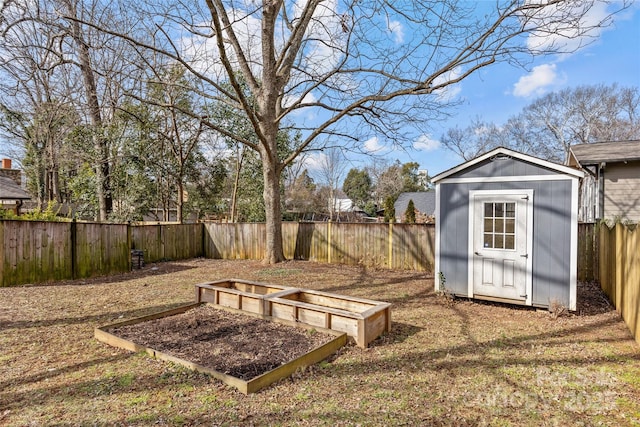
<point x="446" y="362"/>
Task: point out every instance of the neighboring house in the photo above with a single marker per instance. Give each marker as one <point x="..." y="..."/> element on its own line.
<point x="341" y="205"/>
<point x="424" y="202"/>
<point x="11" y="194"/>
<point x="611" y="187"/>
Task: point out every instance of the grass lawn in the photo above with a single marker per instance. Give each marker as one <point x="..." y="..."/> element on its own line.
<point x="445" y="362"/>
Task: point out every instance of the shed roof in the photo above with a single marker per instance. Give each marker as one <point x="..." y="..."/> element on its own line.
<point x="9" y="190"/>
<point x="619" y="151"/>
<point x="502" y="151"/>
<point x="424" y="202"/>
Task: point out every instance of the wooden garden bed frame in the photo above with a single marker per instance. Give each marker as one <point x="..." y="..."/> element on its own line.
<point x="362" y="319"/>
<point x="251" y="386"/>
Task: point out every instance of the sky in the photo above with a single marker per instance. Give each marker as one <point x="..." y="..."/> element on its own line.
<point x="500" y="91"/>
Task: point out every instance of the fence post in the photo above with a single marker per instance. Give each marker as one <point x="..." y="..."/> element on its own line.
<point x="329" y="242"/>
<point x="2" y="258"/>
<point x="203" y="247"/>
<point x="618" y="262"/>
<point x="390" y="243"/>
<point x="129" y="244"/>
<point x="74" y="248"/>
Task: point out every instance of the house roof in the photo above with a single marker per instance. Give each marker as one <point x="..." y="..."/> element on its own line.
<point x="9" y="190"/>
<point x="619" y="151"/>
<point x="502" y="151"/>
<point x="424" y="202"/>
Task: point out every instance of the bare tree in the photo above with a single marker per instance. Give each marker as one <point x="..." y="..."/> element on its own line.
<point x="331" y="170"/>
<point x="477" y="138"/>
<point x="35" y="107"/>
<point x="85" y="64"/>
<point x="363" y="68"/>
<point x="579" y="115"/>
<point x="552" y="123"/>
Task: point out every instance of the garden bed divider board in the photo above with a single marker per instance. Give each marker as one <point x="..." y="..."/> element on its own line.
<point x="362" y="319"/>
<point x="251" y="386"/>
<point x="239" y="294"/>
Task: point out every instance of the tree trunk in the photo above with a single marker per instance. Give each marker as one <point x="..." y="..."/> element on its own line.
<point x="103" y="191"/>
<point x="234" y="194"/>
<point x="273" y="212"/>
<point x="180" y="201"/>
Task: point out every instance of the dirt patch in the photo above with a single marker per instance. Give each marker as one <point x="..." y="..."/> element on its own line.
<point x="232" y="343"/>
<point x="591" y="300"/>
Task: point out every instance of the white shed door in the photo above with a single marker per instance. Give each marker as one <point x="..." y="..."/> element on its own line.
<point x="500" y="245"/>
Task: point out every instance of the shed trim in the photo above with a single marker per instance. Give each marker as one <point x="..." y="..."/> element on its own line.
<point x="505" y="151"/>
<point x="470" y="243"/>
<point x="573" y="256"/>
<point x="522" y="178"/>
<point x="437" y="242"/>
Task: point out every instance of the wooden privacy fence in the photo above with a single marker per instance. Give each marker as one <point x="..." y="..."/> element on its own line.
<point x="395" y="246"/>
<point x="33" y="252"/>
<point x="587" y="252"/>
<point x="619" y="264"/>
<point x="162" y="242"/>
<point x="38" y="251"/>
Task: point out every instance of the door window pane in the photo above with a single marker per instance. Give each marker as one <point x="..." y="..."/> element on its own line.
<point x="510" y="226"/>
<point x="499" y="225"/>
<point x="509" y="242"/>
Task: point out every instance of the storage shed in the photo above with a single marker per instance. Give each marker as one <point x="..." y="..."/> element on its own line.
<point x="507" y="230"/>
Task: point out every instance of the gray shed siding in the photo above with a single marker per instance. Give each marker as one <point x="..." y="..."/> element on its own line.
<point x="551" y="229"/>
<point x="501" y="168"/>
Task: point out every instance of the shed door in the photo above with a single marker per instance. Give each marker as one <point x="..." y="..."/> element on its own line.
<point x="501" y="233"/>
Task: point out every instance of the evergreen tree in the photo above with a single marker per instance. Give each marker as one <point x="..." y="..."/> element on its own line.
<point x="410" y="213"/>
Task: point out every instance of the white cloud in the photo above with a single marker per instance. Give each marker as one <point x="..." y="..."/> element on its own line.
<point x="373" y="145"/>
<point x="203" y="52"/>
<point x="536" y="82"/>
<point x="426" y="143"/>
<point x="450" y="92"/>
<point x="314" y="162"/>
<point x="289" y="99"/>
<point x="322" y="52"/>
<point x="397" y="30"/>
<point x="324" y="35"/>
<point x="558" y="35"/>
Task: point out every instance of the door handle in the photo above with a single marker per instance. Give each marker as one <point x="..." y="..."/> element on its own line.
<point x="478" y="253"/>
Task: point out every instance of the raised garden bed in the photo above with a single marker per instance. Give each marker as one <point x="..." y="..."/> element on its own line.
<point x="241" y="349"/>
<point x="238" y="294"/>
<point x="362" y="319"/>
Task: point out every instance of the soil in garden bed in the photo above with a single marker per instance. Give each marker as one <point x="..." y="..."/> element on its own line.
<point x="235" y="344"/>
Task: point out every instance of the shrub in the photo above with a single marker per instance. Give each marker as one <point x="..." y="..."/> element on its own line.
<point x="410" y="213"/>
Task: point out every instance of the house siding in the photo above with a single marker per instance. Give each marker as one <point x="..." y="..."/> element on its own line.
<point x="622" y="191"/>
